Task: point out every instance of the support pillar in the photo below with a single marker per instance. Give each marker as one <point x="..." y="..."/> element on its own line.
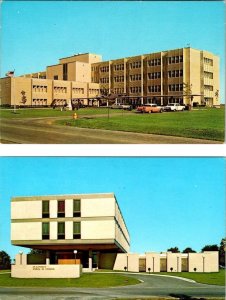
<point x="90" y="260"/>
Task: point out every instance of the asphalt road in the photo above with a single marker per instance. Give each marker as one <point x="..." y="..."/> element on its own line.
<point x="152" y="285"/>
<point x="43" y="131"/>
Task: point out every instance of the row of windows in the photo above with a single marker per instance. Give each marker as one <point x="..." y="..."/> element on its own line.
<point x="154" y="88"/>
<point x="154" y="75"/>
<point x="104" y="69"/>
<point x="208" y="75"/>
<point x="208" y="87"/>
<point x="135" y="65"/>
<point x="175" y="59"/>
<point x="175" y="73"/>
<point x="119" y="78"/>
<point x="61" y="230"/>
<point x="175" y="87"/>
<point x="39" y="88"/>
<point x="37" y="100"/>
<point x="95" y="68"/>
<point x="94" y="91"/>
<point x="61" y="208"/>
<point x="135" y="77"/>
<point x="60" y="89"/>
<point x="154" y="62"/>
<point x="60" y="101"/>
<point x="118" y="90"/>
<point x="135" y="89"/>
<point x="104" y="80"/>
<point x="119" y="67"/>
<point x="78" y="90"/>
<point x="208" y="61"/>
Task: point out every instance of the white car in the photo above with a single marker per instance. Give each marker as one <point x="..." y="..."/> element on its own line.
<point x="174" y="107"/>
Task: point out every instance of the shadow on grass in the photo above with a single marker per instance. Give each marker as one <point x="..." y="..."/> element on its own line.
<point x="185" y="297"/>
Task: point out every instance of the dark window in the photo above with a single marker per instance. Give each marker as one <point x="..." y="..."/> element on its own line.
<point x="45" y="209"/>
<point x="61" y="231"/>
<point x="77" y="208"/>
<point x="61" y="208"/>
<point x="55" y="77"/>
<point x="64" y="71"/>
<point x="76" y="230"/>
<point x="45" y="231"/>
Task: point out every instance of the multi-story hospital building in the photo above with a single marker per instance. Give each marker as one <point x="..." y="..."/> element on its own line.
<point x="80" y="233"/>
<point x="162" y="77"/>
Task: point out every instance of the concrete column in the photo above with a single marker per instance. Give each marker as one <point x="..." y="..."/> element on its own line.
<point x="90" y="260"/>
<point x="47" y="257"/>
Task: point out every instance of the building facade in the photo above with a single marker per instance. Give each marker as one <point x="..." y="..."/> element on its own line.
<point x="91" y="224"/>
<point x="86" y="232"/>
<point x="184" y="75"/>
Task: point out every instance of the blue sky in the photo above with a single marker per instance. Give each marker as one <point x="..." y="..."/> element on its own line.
<point x="166" y="202"/>
<point x="37" y="33"/>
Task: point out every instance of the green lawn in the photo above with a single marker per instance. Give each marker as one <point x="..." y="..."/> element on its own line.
<point x="203" y="124"/>
<point x="92" y="280"/>
<point x="49" y="112"/>
<point x="208" y="278"/>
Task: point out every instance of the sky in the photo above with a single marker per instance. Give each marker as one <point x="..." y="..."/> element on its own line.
<point x="166" y="202"/>
<point x="37" y="33"/>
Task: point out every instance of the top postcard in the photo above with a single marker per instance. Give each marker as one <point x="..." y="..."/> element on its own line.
<point x="112" y="72"/>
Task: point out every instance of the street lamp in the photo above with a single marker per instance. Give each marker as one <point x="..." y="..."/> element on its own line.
<point x="75" y="252"/>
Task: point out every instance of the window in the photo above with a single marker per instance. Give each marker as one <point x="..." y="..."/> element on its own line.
<point x="61" y="208"/>
<point x="64" y="71"/>
<point x="55" y="77"/>
<point x="61" y="231"/>
<point x="45" y="231"/>
<point x="76" y="230"/>
<point x="45" y="208"/>
<point x="77" y="208"/>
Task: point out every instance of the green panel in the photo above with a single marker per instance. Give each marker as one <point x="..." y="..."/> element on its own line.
<point x="76" y="227"/>
<point x="45" y="228"/>
<point x="61" y="228"/>
<point x="77" y="205"/>
<point x="45" y="206"/>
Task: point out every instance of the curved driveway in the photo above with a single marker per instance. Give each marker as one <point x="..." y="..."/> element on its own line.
<point x="152" y="285"/>
<point x="43" y="131"/>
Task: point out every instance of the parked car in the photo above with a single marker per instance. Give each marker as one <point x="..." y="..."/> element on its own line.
<point x="174" y="107"/>
<point x="121" y="106"/>
<point x="150" y="108"/>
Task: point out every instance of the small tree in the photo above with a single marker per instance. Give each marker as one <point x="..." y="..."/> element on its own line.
<point x="23" y="98"/>
<point x="174" y="250"/>
<point x="187" y="90"/>
<point x="222" y="252"/>
<point x="36" y="251"/>
<point x="188" y="250"/>
<point x="5" y="261"/>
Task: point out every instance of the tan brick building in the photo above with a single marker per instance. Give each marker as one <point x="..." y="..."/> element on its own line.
<point x="162" y="77"/>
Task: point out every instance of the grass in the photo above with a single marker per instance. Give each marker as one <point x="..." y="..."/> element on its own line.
<point x="202" y="124"/>
<point x="93" y="280"/>
<point x="49" y="112"/>
<point x="207" y="278"/>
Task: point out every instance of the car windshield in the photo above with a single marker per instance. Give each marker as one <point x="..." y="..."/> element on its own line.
<point x="170" y="104"/>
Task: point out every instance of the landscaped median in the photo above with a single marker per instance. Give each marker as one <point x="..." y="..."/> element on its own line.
<point x="91" y="280"/>
<point x="206" y="278"/>
<point x="202" y="124"/>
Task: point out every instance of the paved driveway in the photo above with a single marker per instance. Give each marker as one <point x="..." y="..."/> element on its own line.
<point x="152" y="285"/>
<point x="43" y="131"/>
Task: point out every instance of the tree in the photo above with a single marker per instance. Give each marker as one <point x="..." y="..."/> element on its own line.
<point x="5" y="261"/>
<point x="187" y="90"/>
<point x="188" y="250"/>
<point x="23" y="98"/>
<point x="36" y="251"/>
<point x="222" y="252"/>
<point x="210" y="248"/>
<point x="174" y="250"/>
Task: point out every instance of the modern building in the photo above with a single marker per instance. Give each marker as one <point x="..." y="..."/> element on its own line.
<point x="78" y="233"/>
<point x="184" y="75"/>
